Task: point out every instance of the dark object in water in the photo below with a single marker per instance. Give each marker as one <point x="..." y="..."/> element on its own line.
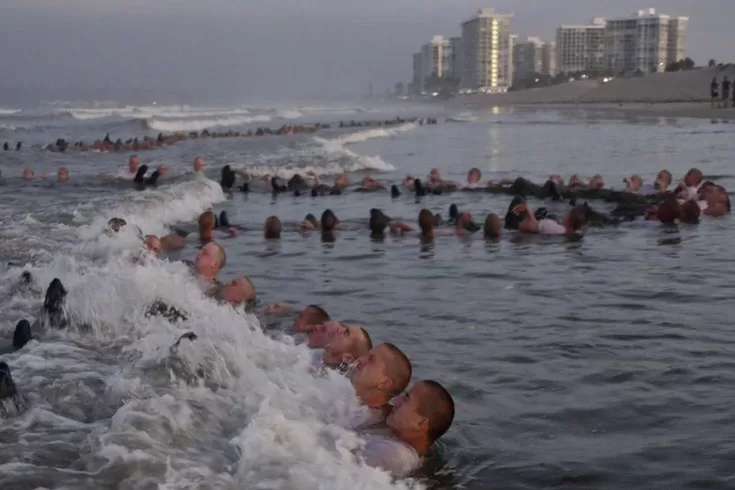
<point x="419" y="188"/>
<point x="228" y="178"/>
<point x="153" y="179"/>
<point x="190" y="336"/>
<point x="394" y="192"/>
<point x="53" y="305"/>
<point x="512" y="220"/>
<point x="159" y="308"/>
<point x="26" y="277"/>
<point x="139" y="179"/>
<point x="22" y="334"/>
<point x="453" y="212"/>
<point x="245" y="187"/>
<point x="7" y="385"/>
<point x="277" y="185"/>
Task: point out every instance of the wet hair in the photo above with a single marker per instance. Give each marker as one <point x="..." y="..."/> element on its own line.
<point x="317" y="314"/>
<point x="453" y="212"/>
<point x="222" y="254"/>
<point x="329" y="220"/>
<point x="272" y="227"/>
<point x="668" y="211"/>
<point x="694" y="172"/>
<point x="474" y="170"/>
<point x="115" y="224"/>
<point x="368" y="340"/>
<point x="667" y="174"/>
<point x="228" y="178"/>
<point x="438" y="407"/>
<point x="207" y="220"/>
<point x="492" y="226"/>
<point x="312" y="219"/>
<point x="378" y="221"/>
<point x="577" y="218"/>
<point x="689" y="213"/>
<point x="427" y="221"/>
<point x="399" y="371"/>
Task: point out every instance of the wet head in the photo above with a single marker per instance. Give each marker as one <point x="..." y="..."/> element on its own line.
<point x="28" y="174"/>
<point x="345" y="344"/>
<point x="133" y="164"/>
<point x="207" y="222"/>
<point x="474" y="176"/>
<point x="62" y="175"/>
<point x="492" y="226"/>
<point x="272" y="228"/>
<point x="422" y="415"/>
<point x="198" y="164"/>
<point x="669" y="211"/>
<point x="329" y="221"/>
<point x="238" y="291"/>
<point x="693" y="177"/>
<point x="210" y="261"/>
<point x="381" y="374"/>
<point x="663" y="180"/>
<point x="153" y="244"/>
<point x="116" y="224"/>
<point x="427" y="222"/>
<point x="310" y="316"/>
<point x="575" y="220"/>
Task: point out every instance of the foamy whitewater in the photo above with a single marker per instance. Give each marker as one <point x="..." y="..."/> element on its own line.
<point x="602" y="363"/>
<point x="116" y="406"/>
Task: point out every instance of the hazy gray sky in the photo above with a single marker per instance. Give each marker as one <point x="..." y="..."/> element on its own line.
<point x="278" y="48"/>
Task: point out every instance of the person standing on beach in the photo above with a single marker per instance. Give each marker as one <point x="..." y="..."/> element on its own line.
<point x="726" y="92"/>
<point x="713" y="91"/>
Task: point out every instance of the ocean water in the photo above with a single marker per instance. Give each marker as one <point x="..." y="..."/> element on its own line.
<point x="604" y="363"/>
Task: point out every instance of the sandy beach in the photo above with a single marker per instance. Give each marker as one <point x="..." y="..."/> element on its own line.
<point x="683" y="94"/>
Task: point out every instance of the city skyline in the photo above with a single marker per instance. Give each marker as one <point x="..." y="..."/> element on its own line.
<point x="261" y="50"/>
<point x="493" y="56"/>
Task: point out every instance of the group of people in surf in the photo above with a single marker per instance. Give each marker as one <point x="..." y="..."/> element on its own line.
<point x="107" y="145"/>
<point x="399" y="423"/>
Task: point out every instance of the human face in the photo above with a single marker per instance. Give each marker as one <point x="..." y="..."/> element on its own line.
<point x="198" y="164"/>
<point x="133" y="164"/>
<point x="341" y="343"/>
<point x="153" y="244"/>
<point x="207" y="263"/>
<point x="320" y="336"/>
<point x="405" y="416"/>
<point x="62" y="175"/>
<point x="237" y="291"/>
<point x="370" y="371"/>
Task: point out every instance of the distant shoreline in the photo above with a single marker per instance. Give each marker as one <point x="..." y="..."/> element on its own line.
<point x="693" y="110"/>
<point x="677" y="94"/>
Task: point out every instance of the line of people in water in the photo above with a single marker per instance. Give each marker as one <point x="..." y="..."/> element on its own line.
<point x="107" y="144"/>
<point x="398" y="423"/>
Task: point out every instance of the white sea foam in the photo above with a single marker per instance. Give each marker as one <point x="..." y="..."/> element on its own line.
<point x="233" y="409"/>
<point x="369" y="134"/>
<point x="8" y="112"/>
<point x="183" y="125"/>
<point x="289" y="114"/>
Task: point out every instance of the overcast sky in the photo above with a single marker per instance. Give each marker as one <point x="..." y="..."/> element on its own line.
<point x="272" y="49"/>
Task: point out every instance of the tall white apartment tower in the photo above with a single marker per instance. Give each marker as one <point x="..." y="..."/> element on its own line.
<point x="488" y="52"/>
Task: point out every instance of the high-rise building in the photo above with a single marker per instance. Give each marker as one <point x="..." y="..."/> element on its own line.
<point x="677" y="39"/>
<point x="417" y="82"/>
<point x="548" y="59"/>
<point x="488" y="52"/>
<point x="645" y="41"/>
<point x="581" y="48"/>
<point x="528" y="58"/>
<point x="454" y="59"/>
<point x="434" y="57"/>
